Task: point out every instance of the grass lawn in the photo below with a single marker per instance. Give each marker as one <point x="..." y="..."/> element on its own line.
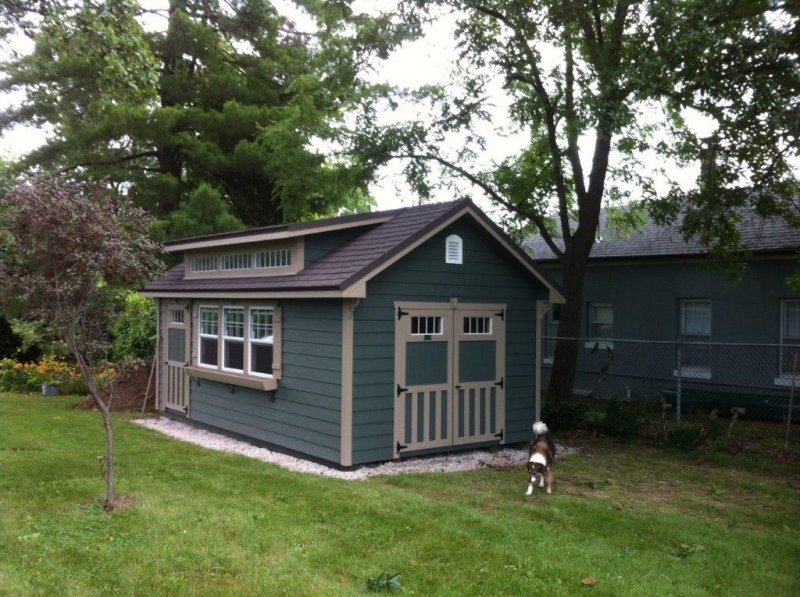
<point x="639" y="521"/>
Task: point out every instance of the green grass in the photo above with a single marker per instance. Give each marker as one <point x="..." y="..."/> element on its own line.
<point x="640" y="521"/>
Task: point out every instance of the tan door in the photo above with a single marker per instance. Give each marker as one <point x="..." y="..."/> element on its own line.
<point x="479" y="373"/>
<point x="424" y="378"/>
<point x="177" y="339"/>
<point x="449" y="375"/>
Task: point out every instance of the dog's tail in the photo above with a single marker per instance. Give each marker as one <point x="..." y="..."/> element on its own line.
<point x="540" y="428"/>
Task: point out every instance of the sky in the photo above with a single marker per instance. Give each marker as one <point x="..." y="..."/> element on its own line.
<point x="423" y="62"/>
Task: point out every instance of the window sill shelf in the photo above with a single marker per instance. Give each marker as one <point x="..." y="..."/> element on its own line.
<point x="266" y="384"/>
<point x="786" y="380"/>
<point x="601" y="344"/>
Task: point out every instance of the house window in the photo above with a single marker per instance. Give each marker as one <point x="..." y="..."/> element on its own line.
<point x="274" y="258"/>
<point x="454" y="249"/>
<point x="176" y="316"/>
<point x="426" y="326"/>
<point x="235" y="261"/>
<point x="261" y="340"/>
<point x="209" y="336"/>
<point x="550" y="334"/>
<point x="790" y="335"/>
<point x="478" y="325"/>
<point x="695" y="333"/>
<point x="601" y="320"/>
<point x="233" y="338"/>
<point x="204" y="264"/>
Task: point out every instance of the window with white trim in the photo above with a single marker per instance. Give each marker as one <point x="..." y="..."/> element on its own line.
<point x="478" y="325"/>
<point x="695" y="334"/>
<point x="176" y="316"/>
<point x="790" y="334"/>
<point x="233" y="339"/>
<point x="244" y="340"/>
<point x="273" y="258"/>
<point x="454" y="249"/>
<point x="235" y="261"/>
<point x="207" y="263"/>
<point x="208" y="349"/>
<point x="262" y="336"/>
<point x="601" y="320"/>
<point x="430" y="325"/>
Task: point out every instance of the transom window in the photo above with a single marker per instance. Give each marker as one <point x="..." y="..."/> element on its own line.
<point x="274" y="258"/>
<point x="478" y="325"/>
<point x="204" y="264"/>
<point x="235" y="261"/>
<point x="790" y="334"/>
<point x="426" y="325"/>
<point x="601" y="320"/>
<point x="233" y="338"/>
<point x="176" y="316"/>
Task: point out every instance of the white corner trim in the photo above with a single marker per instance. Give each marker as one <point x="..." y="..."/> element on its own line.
<point x="693" y="372"/>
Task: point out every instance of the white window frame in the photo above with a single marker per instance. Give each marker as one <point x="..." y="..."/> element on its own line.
<point x="201" y="258"/>
<point x="599" y="341"/>
<point x="177" y="320"/>
<point x="694" y="371"/>
<point x="275" y="258"/>
<point x="201" y="335"/>
<point x="487" y="330"/>
<point x="269" y="341"/>
<point x="454" y="241"/>
<point x="244" y="261"/>
<point x="426" y="317"/>
<point x="784" y="378"/>
<point x="225" y="338"/>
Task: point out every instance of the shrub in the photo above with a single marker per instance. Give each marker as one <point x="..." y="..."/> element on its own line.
<point x="563" y="415"/>
<point x="619" y="422"/>
<point x="135" y="329"/>
<point x="685" y="437"/>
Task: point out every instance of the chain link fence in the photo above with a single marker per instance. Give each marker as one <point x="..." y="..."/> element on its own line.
<point x="758" y="380"/>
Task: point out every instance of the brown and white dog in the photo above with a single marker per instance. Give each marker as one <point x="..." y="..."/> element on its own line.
<point x="540" y="459"/>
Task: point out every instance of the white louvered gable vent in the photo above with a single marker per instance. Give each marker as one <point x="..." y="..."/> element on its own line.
<point x="454" y="249"/>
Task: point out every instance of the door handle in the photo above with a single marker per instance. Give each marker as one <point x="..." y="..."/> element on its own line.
<point x="458" y="387"/>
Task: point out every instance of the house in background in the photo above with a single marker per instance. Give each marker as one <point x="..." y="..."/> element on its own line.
<point x="355" y="339"/>
<point x="651" y="286"/>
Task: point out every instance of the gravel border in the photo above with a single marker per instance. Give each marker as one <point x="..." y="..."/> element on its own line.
<point x="470" y="460"/>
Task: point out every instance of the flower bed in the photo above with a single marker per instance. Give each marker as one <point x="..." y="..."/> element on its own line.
<point x="50" y="370"/>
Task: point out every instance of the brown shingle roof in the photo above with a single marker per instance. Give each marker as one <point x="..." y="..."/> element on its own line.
<point x="759" y="235"/>
<point x="345" y="265"/>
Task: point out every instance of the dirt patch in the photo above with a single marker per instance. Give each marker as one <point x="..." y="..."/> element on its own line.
<point x="129" y="389"/>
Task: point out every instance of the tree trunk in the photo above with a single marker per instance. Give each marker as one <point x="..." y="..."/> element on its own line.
<point x="565" y="359"/>
<point x="91" y="385"/>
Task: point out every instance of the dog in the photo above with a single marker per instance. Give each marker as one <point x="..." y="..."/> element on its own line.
<point x="540" y="459"/>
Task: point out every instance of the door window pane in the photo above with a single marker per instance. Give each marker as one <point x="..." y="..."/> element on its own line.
<point x="426" y="326"/>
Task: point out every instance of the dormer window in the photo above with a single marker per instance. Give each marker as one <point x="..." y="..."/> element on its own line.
<point x="274" y="258"/>
<point x="235" y="261"/>
<point x="453" y="250"/>
<point x="204" y="264"/>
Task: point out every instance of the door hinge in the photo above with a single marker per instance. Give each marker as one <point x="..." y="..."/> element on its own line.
<point x="500" y="435"/>
<point x="400" y="446"/>
<point x="400" y="390"/>
<point x="400" y="312"/>
<point x="501" y="314"/>
<point x="500" y="383"/>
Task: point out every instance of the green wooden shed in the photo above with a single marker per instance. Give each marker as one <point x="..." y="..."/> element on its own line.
<point x="355" y="339"/>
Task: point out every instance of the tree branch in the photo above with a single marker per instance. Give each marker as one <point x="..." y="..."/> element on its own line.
<point x="112" y="162"/>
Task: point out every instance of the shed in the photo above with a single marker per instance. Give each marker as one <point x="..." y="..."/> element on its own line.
<point x="355" y="339"/>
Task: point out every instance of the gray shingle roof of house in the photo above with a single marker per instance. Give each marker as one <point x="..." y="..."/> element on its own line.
<point x="759" y="235"/>
<point x="346" y="264"/>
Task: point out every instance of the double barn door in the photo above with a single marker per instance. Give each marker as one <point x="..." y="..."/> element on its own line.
<point x="449" y="375"/>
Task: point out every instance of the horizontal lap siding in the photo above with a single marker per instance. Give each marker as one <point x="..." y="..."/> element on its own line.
<point x="488" y="275"/>
<point x="305" y="415"/>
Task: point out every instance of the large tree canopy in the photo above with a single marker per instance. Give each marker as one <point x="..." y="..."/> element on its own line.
<point x="227" y="100"/>
<point x="595" y="87"/>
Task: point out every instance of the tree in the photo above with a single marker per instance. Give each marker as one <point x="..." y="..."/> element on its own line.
<point x="593" y="85"/>
<point x="229" y="95"/>
<point x="67" y="248"/>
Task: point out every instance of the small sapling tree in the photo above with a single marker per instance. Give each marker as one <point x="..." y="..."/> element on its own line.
<point x="66" y="250"/>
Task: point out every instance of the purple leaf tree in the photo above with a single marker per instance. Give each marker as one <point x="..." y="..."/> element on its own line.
<point x="67" y="249"/>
